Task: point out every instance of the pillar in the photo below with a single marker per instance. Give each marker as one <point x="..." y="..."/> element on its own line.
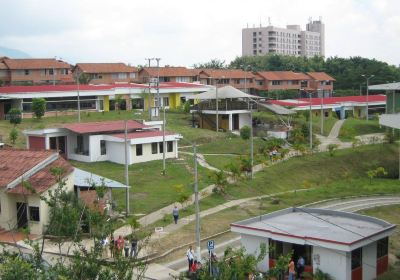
<point x="128" y="102"/>
<point x="106" y="103"/>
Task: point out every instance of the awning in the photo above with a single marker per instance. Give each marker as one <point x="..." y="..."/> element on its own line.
<point x="277" y="109"/>
<point x="390" y="86"/>
<point x="226" y="92"/>
<point x="84" y="179"/>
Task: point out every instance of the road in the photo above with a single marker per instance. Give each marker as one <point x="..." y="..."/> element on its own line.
<point x="348" y="205"/>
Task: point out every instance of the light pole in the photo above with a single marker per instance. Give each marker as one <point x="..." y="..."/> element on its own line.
<point x="78" y="74"/>
<point x="322" y="112"/>
<point x="196" y="200"/>
<point x="310" y="133"/>
<point x="149" y="99"/>
<point x="216" y="105"/>
<point x="367" y="78"/>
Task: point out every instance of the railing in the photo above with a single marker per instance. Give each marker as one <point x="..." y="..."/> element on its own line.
<point x="223" y="105"/>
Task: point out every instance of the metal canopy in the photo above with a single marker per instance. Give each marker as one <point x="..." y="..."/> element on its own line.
<point x="390" y="86"/>
<point x="226" y="92"/>
<point x="84" y="179"/>
<point x="277" y="109"/>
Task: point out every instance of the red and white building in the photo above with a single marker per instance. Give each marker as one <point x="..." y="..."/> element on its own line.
<point x="347" y="246"/>
<point x="105" y="141"/>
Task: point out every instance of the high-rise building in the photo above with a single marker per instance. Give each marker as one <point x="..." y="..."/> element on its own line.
<point x="286" y="41"/>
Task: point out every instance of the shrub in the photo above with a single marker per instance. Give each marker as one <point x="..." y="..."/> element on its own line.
<point x="13" y="135"/>
<point x="15" y="116"/>
<point x="332" y="148"/>
<point x="186" y="107"/>
<point x="245" y="132"/>
<point x="39" y="107"/>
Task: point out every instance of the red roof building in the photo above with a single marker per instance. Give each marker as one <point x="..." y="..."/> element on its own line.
<point x="108" y="73"/>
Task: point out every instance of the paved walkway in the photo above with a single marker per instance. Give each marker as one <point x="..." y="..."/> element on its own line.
<point x="332" y="138"/>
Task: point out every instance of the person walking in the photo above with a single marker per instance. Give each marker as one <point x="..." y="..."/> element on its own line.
<point x="105" y="244"/>
<point x="120" y="245"/>
<point x="126" y="248"/>
<point x="292" y="272"/>
<point x="190" y="257"/>
<point x="112" y="246"/>
<point x="134" y="243"/>
<point x="300" y="267"/>
<point x="175" y="214"/>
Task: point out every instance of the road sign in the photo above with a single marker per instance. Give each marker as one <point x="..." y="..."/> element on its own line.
<point x="210" y="244"/>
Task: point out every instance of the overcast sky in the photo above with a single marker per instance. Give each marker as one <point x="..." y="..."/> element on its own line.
<point x="187" y="32"/>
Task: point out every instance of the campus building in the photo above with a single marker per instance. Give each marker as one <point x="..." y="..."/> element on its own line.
<point x="285" y="41"/>
<point x="345" y="245"/>
<point x="105" y="141"/>
<point x="391" y="117"/>
<point x="31" y="71"/>
<point x="168" y="74"/>
<point x="107" y="73"/>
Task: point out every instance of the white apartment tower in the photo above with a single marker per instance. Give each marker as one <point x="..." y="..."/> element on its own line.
<point x="286" y="41"/>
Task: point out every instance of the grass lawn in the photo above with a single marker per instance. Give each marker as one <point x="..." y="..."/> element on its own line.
<point x="232" y="144"/>
<point x="353" y="127"/>
<point x="392" y="215"/>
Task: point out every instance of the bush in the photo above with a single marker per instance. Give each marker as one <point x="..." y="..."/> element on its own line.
<point x="332" y="148"/>
<point x="15" y="116"/>
<point x="245" y="132"/>
<point x="13" y="135"/>
<point x="39" y="107"/>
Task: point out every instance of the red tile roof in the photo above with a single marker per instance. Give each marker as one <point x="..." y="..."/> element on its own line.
<point x="143" y="134"/>
<point x="3" y="66"/>
<point x="283" y="75"/>
<point x="170" y="71"/>
<point x="44" y="179"/>
<point x="106" y="68"/>
<point x="329" y="101"/>
<point x="35" y="63"/>
<point x="227" y="73"/>
<point x="14" y="163"/>
<point x="320" y="76"/>
<point x="103" y="127"/>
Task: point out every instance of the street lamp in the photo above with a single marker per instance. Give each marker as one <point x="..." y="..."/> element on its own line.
<point x="310" y="132"/>
<point x="216" y="105"/>
<point x="367" y="78"/>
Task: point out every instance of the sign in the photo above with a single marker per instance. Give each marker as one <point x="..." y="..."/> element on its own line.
<point x="210" y="244"/>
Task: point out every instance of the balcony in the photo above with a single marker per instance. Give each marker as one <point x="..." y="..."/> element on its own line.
<point x="223" y="105"/>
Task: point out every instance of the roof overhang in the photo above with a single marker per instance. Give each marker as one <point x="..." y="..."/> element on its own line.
<point x="390" y="120"/>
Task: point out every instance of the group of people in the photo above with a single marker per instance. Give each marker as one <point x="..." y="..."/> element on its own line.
<point x="194" y="265"/>
<point x="300" y="269"/>
<point x="119" y="247"/>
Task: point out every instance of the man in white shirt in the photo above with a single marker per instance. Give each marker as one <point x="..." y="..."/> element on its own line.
<point x="190" y="256"/>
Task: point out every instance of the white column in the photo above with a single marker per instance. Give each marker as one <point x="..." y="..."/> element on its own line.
<point x="230" y="122"/>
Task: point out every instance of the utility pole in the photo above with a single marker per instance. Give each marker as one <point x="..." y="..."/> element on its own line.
<point x="367" y="78"/>
<point x="216" y="105"/>
<point x="322" y="112"/>
<point x="196" y="201"/>
<point x="163" y="139"/>
<point x="126" y="171"/>
<point x="311" y="146"/>
<point x="149" y="61"/>
<point x="251" y="140"/>
<point x="79" y="102"/>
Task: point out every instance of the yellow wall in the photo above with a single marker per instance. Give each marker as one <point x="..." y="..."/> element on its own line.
<point x="106" y="103"/>
<point x="148" y="99"/>
<point x="174" y="100"/>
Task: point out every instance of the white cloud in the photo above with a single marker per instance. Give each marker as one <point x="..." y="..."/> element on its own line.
<point x="188" y="32"/>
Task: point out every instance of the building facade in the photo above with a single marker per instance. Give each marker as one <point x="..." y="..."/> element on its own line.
<point x="107" y="73"/>
<point x="285" y="41"/>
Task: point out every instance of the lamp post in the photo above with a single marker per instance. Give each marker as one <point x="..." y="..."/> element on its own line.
<point x="322" y="113"/>
<point x="216" y="105"/>
<point x="367" y="78"/>
<point x="310" y="132"/>
<point x="78" y="74"/>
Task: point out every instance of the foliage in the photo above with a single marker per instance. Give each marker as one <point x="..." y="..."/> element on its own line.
<point x="118" y="101"/>
<point x="245" y="132"/>
<point x="282" y="94"/>
<point x="234" y="168"/>
<point x="13" y="135"/>
<point x="183" y="196"/>
<point x="281" y="265"/>
<point x="235" y="264"/>
<point x="14" y="115"/>
<point x="186" y="107"/>
<point x="14" y="267"/>
<point x="84" y="78"/>
<point x="219" y="179"/>
<point x="373" y="173"/>
<point x="346" y="71"/>
<point x="245" y="164"/>
<point x="38" y="107"/>
<point x="212" y="64"/>
<point x="332" y="148"/>
<point x="318" y="275"/>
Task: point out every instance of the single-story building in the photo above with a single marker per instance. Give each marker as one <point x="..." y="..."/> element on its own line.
<point x="353" y="105"/>
<point x="64" y="98"/>
<point x="347" y="246"/>
<point x="105" y="141"/>
<point x="20" y="206"/>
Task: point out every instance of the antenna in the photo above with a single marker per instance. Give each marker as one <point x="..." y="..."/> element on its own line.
<point x="269" y="21"/>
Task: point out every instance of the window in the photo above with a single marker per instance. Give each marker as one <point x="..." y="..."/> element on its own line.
<point x="254" y="33"/>
<point x="139" y="149"/>
<point x="26" y="72"/>
<point x="53" y="143"/>
<point x="132" y="75"/>
<point x="165" y="101"/>
<point x="170" y="146"/>
<point x="254" y="46"/>
<point x="254" y="40"/>
<point x="34" y="214"/>
<point x="154" y="148"/>
<point x="79" y="143"/>
<point x="382" y="247"/>
<point x="356" y="258"/>
<point x="276" y="83"/>
<point x="161" y="147"/>
<point x="103" y="149"/>
<point x="122" y="76"/>
<point x="275" y="249"/>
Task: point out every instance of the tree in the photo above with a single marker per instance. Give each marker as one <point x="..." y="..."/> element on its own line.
<point x="118" y="101"/>
<point x="332" y="148"/>
<point x="39" y="107"/>
<point x="220" y="181"/>
<point x="373" y="173"/>
<point x="213" y="64"/>
<point x="14" y="115"/>
<point x="13" y="135"/>
<point x="245" y="132"/>
<point x="84" y="78"/>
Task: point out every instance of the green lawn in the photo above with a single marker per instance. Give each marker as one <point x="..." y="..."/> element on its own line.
<point x="354" y="127"/>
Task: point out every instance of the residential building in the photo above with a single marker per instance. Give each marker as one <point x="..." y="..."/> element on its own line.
<point x="285" y="41"/>
<point x="283" y="80"/>
<point x="340" y="106"/>
<point x="21" y="207"/>
<point x="31" y="71"/>
<point x="237" y="78"/>
<point x="345" y="245"/>
<point x="107" y="73"/>
<point x="321" y="83"/>
<point x="168" y="74"/>
<point x="391" y="117"/>
<point x="105" y="141"/>
<point x="63" y="99"/>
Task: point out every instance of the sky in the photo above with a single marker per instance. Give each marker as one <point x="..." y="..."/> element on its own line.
<point x="183" y="33"/>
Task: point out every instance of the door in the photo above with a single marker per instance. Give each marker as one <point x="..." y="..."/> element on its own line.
<point x="22" y="215"/>
<point x="235" y="120"/>
<point x="62" y="146"/>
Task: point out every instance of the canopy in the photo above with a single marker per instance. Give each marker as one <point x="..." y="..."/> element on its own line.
<point x="390" y="86"/>
<point x="277" y="109"/>
<point x="86" y="179"/>
<point x="223" y="93"/>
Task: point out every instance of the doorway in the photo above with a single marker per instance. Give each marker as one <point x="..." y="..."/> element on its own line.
<point x="235" y="121"/>
<point x="22" y="215"/>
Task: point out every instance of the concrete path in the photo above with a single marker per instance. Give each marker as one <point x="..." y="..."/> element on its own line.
<point x="332" y="138"/>
<point x="334" y="133"/>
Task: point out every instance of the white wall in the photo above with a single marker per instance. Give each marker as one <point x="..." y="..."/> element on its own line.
<point x="244" y="119"/>
<point x="95" y="151"/>
<point x="369" y="261"/>
<point x="148" y="156"/>
<point x="116" y="152"/>
<point x="336" y="263"/>
<point x="252" y="246"/>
